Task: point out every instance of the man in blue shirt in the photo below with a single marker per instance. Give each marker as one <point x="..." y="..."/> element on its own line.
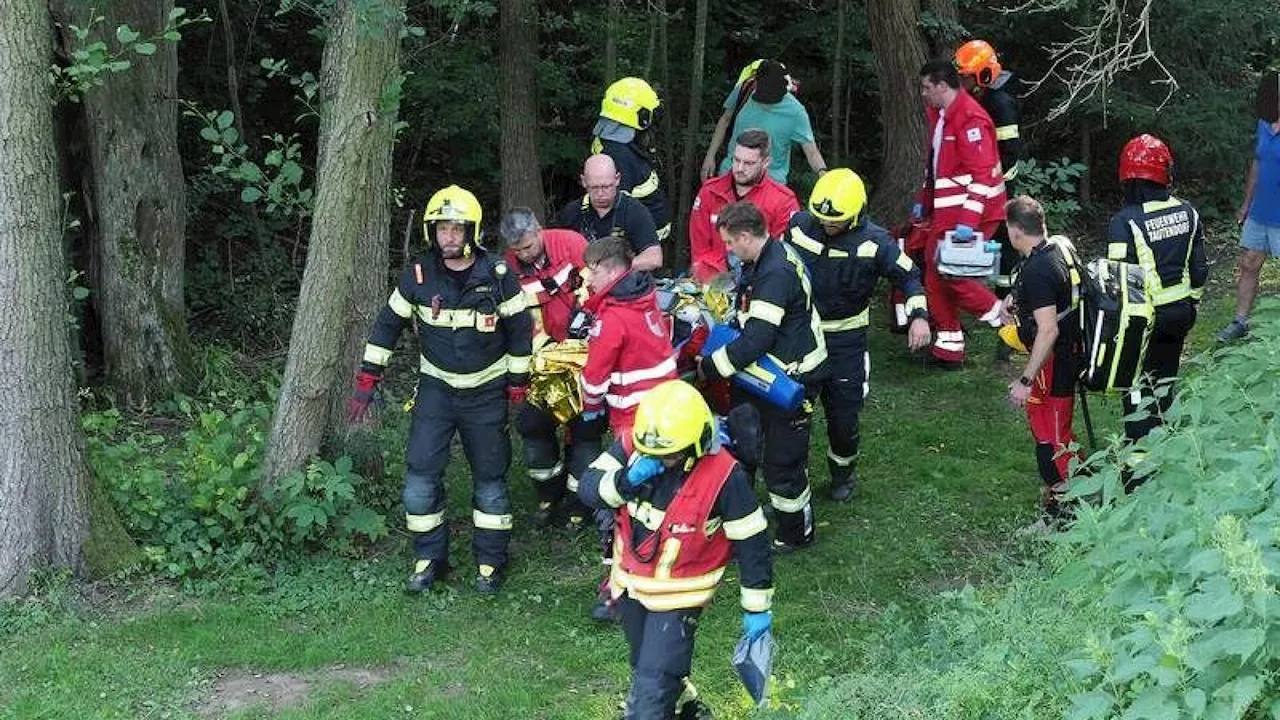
<point x="1259" y="214"/>
<point x="771" y="107"/>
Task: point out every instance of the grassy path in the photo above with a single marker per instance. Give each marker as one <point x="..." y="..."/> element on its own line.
<point x="947" y="474"/>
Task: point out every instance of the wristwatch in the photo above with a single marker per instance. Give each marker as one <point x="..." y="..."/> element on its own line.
<point x="1024" y="381"/>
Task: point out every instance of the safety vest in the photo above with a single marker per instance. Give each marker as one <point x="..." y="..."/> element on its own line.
<point x="681" y="561"/>
<point x="1172" y="227"/>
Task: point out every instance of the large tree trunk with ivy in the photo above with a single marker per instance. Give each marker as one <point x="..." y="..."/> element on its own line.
<point x="899" y="51"/>
<point x="692" y="134"/>
<point x="345" y="281"/>
<point x="44" y="480"/>
<point x="518" y="69"/>
<point x="134" y="202"/>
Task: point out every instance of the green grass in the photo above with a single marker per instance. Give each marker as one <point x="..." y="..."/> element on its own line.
<point x="947" y="473"/>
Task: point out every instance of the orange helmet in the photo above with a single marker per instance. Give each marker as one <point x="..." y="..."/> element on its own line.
<point x="1146" y="157"/>
<point x="978" y="60"/>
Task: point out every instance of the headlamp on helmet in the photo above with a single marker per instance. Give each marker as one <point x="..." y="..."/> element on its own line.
<point x="452" y="204"/>
<point x="631" y="102"/>
<point x="672" y="418"/>
<point x="838" y="197"/>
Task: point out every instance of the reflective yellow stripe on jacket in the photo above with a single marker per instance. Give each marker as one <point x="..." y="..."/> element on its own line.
<point x="465" y="381"/>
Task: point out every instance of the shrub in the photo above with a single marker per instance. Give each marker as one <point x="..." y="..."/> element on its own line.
<point x="189" y="497"/>
<point x="1158" y="604"/>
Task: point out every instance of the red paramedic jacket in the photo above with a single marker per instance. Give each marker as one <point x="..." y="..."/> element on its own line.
<point x="776" y="202"/>
<point x="551" y="285"/>
<point x="968" y="187"/>
<point x="628" y="350"/>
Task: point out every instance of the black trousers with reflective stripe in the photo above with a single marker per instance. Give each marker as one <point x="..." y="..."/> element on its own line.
<point x="542" y="449"/>
<point x="1164" y="356"/>
<point x="785" y="461"/>
<point x="842" y="394"/>
<point x="661" y="657"/>
<point x="479" y="418"/>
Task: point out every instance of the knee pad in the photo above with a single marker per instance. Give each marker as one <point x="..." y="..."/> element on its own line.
<point x="422" y="493"/>
<point x="491" y="498"/>
<point x="743" y="425"/>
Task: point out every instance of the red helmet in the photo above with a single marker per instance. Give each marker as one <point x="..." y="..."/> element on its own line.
<point x="1146" y="157"/>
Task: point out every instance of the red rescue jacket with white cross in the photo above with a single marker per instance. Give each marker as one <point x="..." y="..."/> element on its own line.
<point x="551" y="285"/>
<point x="968" y="186"/>
<point x="680" y="563"/>
<point x="629" y="348"/>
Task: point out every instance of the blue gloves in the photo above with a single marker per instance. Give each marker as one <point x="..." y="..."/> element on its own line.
<point x="643" y="470"/>
<point x="754" y="624"/>
<point x="917" y="212"/>
<point x="591" y="415"/>
<point x="963" y="233"/>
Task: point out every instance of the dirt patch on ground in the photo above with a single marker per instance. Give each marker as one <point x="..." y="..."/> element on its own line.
<point x="233" y="691"/>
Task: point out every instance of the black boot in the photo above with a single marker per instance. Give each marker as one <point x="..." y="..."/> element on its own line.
<point x="489" y="580"/>
<point x="425" y="574"/>
<point x="844" y="488"/>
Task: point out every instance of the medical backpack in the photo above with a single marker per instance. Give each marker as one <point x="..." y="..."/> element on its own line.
<point x="1116" y="316"/>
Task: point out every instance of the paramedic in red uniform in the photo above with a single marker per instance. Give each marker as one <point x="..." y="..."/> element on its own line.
<point x="549" y="264"/>
<point x="964" y="193"/>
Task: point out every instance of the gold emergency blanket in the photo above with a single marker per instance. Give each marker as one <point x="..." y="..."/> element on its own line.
<point x="555" y="378"/>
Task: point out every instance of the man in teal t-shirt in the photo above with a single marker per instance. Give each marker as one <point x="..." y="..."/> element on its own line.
<point x="772" y="109"/>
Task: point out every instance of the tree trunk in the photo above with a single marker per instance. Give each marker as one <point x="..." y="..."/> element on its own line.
<point x="134" y="196"/>
<point x="837" y="68"/>
<point x="44" y="481"/>
<point x="666" y="148"/>
<point x="345" y="278"/>
<point x="518" y="65"/>
<point x="692" y="133"/>
<point x="899" y="51"/>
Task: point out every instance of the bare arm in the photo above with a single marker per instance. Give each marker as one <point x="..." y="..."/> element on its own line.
<point x="717" y="139"/>
<point x="814" y="156"/>
<point x="1046" y="336"/>
<point x="1249" y="183"/>
<point x="650" y="259"/>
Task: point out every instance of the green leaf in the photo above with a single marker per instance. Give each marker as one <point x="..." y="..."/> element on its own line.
<point x="230" y="136"/>
<point x="80" y="292"/>
<point x="1226" y="643"/>
<point x="126" y="34"/>
<point x="273" y="159"/>
<point x="1215" y="600"/>
<point x="145" y="48"/>
<point x="250" y="194"/>
<point x="291" y="173"/>
<point x="119" y="65"/>
<point x="225" y="118"/>
<point x="342" y="465"/>
<point x="250" y="172"/>
<point x="172" y="35"/>
<point x="1091" y="705"/>
<point x="177" y="12"/>
<point x="210" y="134"/>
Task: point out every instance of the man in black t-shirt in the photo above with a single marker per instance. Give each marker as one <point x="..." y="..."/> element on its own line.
<point x="1042" y="307"/>
<point x="605" y="210"/>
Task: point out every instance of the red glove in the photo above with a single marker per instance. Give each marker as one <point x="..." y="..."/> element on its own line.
<point x="516" y="394"/>
<point x="366" y="385"/>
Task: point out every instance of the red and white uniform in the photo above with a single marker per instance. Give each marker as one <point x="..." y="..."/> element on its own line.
<point x="550" y="285"/>
<point x="628" y="351"/>
<point x="964" y="186"/>
<point x="776" y="202"/>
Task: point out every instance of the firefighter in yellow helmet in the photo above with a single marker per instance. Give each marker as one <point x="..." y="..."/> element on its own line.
<point x="684" y="507"/>
<point x="627" y="112"/>
<point x="475" y="342"/>
<point x="847" y="254"/>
